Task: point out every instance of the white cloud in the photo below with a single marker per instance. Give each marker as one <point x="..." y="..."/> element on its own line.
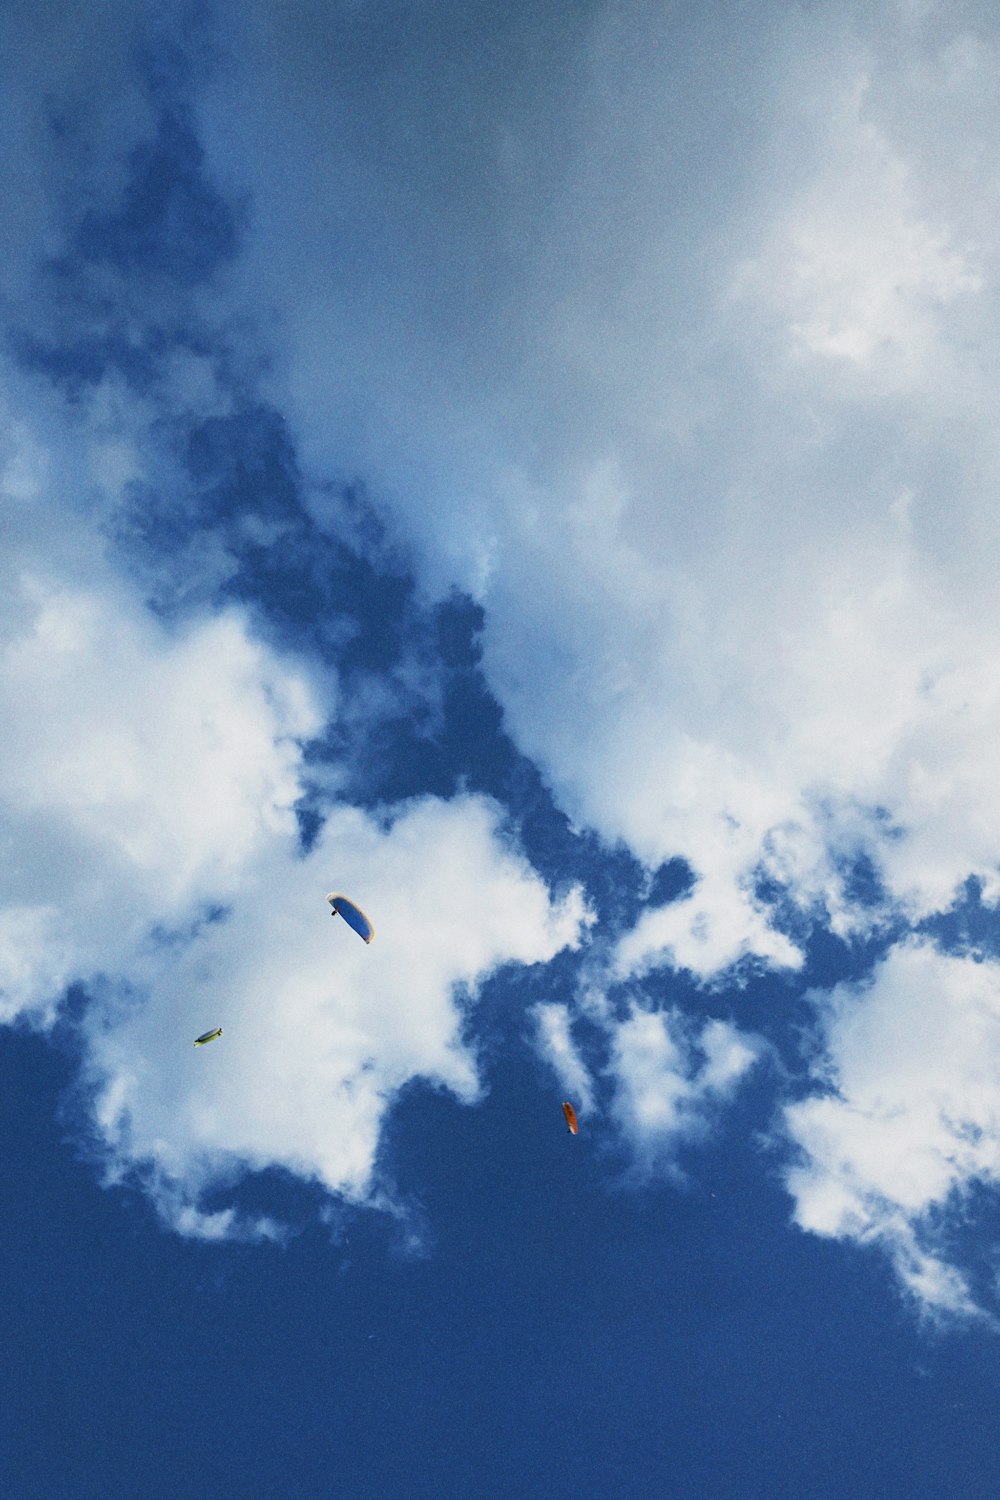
<point x="706" y="932"/>
<point x="148" y="777"/>
<point x="320" y="1030"/>
<point x="854" y="271"/>
<point x="556" y="1045"/>
<point x="703" y="410"/>
<point x="910" y="1116"/>
<point x="139" y="777"/>
<point x="672" y="1078"/>
<point x="170" y="754"/>
<point x="679" y="357"/>
<point x="142" y="767"/>
<point x="141" y="771"/>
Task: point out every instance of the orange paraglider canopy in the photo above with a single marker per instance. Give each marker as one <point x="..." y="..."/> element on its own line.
<point x="570" y="1114"/>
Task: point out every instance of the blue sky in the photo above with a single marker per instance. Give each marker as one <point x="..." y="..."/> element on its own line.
<point x="532" y="469"/>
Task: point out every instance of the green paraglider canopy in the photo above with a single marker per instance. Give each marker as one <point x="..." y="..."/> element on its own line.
<point x="352" y="914"/>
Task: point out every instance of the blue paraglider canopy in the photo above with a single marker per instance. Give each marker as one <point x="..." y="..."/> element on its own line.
<point x="352" y="914"/>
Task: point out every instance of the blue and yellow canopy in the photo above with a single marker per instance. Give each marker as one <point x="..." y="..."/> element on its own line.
<point x="352" y="914"/>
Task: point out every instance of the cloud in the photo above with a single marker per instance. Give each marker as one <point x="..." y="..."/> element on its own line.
<point x="855" y="268"/>
<point x="707" y="933"/>
<point x="557" y="1047"/>
<point x="153" y="768"/>
<point x="139" y="778"/>
<point x="320" y="1030"/>
<point x="662" y="1076"/>
<point x="699" y="369"/>
<point x="149" y="775"/>
<point x="672" y="1078"/>
<point x="665" y="335"/>
<point x="143" y="766"/>
<point x="908" y="1119"/>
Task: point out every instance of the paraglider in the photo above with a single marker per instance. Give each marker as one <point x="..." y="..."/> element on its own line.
<point x="207" y="1036"/>
<point x="352" y="914"/>
<point x="570" y="1114"/>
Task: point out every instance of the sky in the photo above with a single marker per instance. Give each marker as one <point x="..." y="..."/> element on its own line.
<point x="531" y="468"/>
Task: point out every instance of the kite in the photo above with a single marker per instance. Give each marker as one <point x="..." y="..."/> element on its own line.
<point x="352" y="915"/>
<point x="207" y="1036"/>
<point x="570" y="1114"/>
